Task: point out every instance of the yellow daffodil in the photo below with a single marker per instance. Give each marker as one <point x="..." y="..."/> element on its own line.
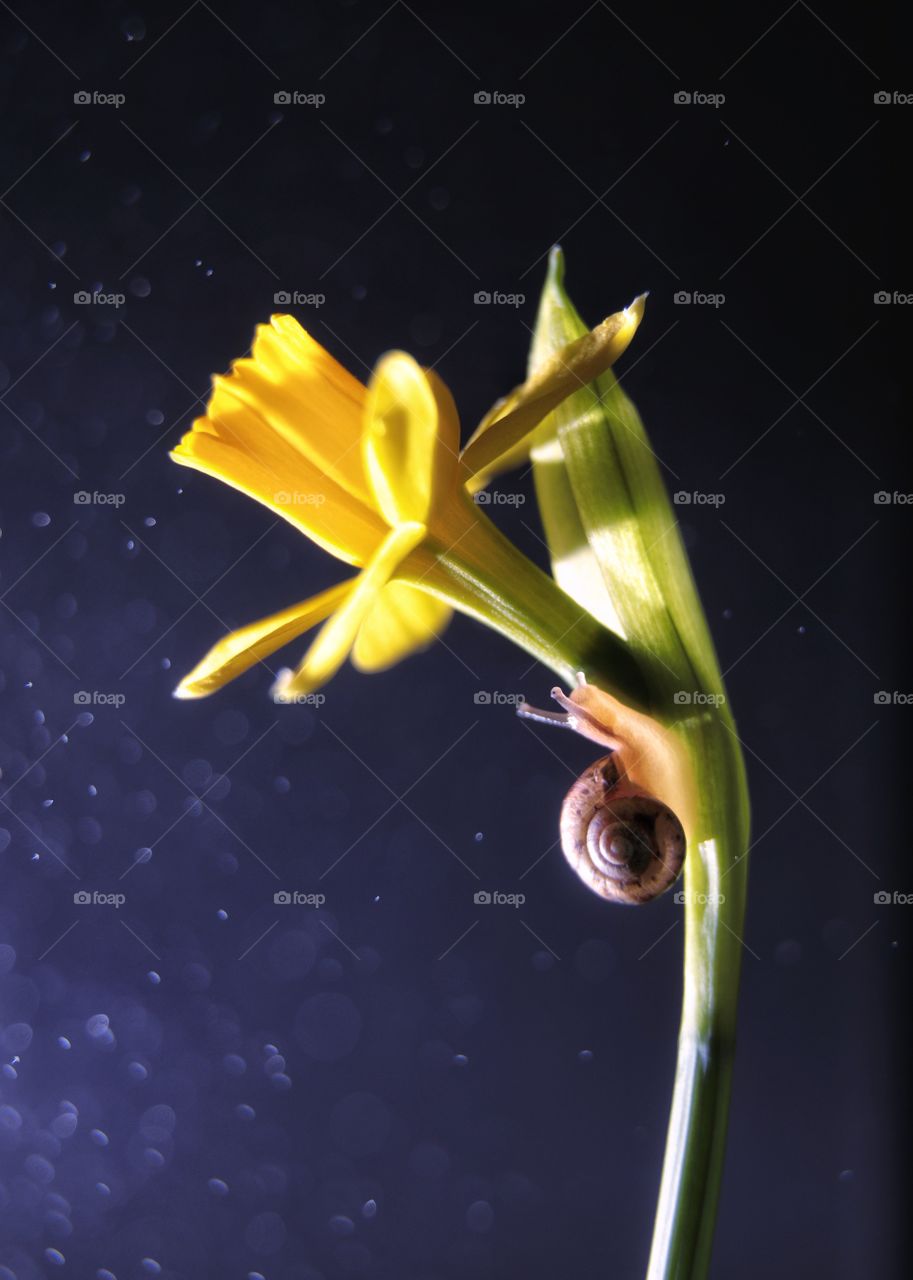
<point x="374" y="476"/>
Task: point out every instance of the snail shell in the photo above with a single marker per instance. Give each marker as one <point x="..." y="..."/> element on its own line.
<point x="622" y="842"/>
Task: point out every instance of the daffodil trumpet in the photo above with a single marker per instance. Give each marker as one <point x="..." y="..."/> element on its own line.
<point x="374" y="475"/>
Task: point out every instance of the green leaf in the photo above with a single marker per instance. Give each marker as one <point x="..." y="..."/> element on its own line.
<point x="617" y="550"/>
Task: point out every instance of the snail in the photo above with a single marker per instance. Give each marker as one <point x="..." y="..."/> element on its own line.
<point x="622" y="840"/>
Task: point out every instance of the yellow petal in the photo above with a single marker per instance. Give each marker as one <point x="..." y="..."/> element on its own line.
<point x="402" y="620"/>
<point x="336" y="637"/>
<point x="495" y="441"/>
<point x="307" y="398"/>
<point x="411" y="439"/>
<point x="242" y="649"/>
<point x="235" y="445"/>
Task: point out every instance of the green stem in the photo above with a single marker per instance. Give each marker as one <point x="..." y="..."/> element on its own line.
<point x="716" y="867"/>
<point x="615" y="544"/>
<point x="485" y="576"/>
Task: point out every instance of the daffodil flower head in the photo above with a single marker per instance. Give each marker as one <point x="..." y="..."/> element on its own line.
<point x="374" y="476"/>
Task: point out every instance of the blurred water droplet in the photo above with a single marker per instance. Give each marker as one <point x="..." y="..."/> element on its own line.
<point x="480" y="1216"/>
<point x="133" y="28"/>
<point x="64" y="1126"/>
<point x="97" y="1025"/>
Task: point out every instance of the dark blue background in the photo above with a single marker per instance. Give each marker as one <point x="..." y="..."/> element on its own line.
<point x="504" y="1106"/>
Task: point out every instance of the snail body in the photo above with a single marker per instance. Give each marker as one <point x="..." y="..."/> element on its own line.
<point x="624" y="842"/>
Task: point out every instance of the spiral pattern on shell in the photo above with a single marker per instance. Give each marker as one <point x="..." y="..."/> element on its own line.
<point x="622" y="842"/>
